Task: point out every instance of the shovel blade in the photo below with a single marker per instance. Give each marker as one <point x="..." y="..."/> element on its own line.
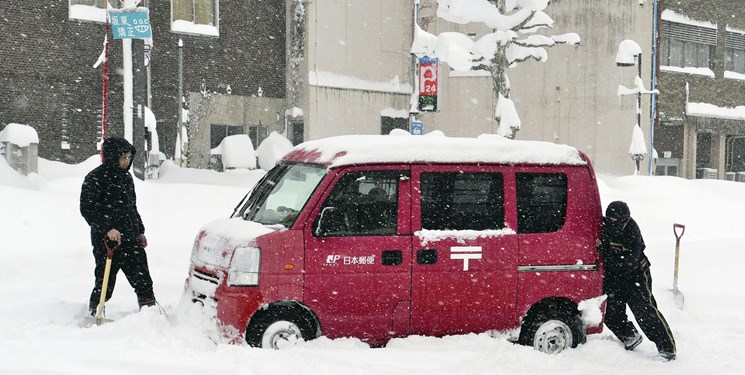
<point x="679" y="299"/>
<point x="91" y="321"/>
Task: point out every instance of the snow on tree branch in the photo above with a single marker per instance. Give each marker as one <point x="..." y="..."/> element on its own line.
<point x="638" y="89"/>
<point x="568" y="38"/>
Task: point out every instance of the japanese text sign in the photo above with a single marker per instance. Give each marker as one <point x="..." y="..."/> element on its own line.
<point x="428" y="84"/>
<point x="132" y="23"/>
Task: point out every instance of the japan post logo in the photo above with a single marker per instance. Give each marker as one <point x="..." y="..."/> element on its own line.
<point x="465" y="253"/>
<point x="331" y="259"/>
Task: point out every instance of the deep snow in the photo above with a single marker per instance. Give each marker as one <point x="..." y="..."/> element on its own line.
<point x="47" y="275"/>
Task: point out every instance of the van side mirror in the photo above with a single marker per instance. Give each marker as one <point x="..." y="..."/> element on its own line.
<point x="327" y="222"/>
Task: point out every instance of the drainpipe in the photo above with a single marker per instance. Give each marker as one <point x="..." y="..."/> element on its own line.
<point x="653" y="96"/>
<point x="414" y="59"/>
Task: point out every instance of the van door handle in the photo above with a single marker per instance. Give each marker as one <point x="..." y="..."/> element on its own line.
<point x="426" y="256"/>
<point x="392" y="257"/>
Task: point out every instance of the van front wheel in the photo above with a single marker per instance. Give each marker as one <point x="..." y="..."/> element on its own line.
<point x="279" y="330"/>
<point x="281" y="334"/>
<point x="552" y="331"/>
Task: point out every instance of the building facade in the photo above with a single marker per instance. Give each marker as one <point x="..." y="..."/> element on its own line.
<point x="234" y="72"/>
<point x="313" y="69"/>
<point x="702" y="76"/>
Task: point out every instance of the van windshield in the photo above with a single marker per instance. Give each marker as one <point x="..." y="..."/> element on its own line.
<point x="282" y="193"/>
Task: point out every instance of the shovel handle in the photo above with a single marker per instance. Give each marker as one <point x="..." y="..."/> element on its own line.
<point x="675" y="230"/>
<point x="677" y="252"/>
<point x="109" y="249"/>
<point x="105" y="286"/>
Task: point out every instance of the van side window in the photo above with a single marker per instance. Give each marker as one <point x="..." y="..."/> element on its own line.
<point x="541" y="202"/>
<point x="462" y="201"/>
<point x="363" y="203"/>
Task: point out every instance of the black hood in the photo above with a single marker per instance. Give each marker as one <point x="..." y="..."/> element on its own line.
<point x="114" y="148"/>
<point x="618" y="210"/>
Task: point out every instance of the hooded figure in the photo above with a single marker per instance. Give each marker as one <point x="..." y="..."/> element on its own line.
<point x="628" y="281"/>
<point x="109" y="205"/>
<point x="623" y="245"/>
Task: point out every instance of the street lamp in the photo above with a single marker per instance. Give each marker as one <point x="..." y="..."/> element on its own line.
<point x="630" y="54"/>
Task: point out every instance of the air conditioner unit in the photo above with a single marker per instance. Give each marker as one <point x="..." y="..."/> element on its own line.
<point x="729" y="176"/>
<point x="740" y="176"/>
<point x="709" y="173"/>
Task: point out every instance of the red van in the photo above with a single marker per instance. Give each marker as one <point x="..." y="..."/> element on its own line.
<point x="377" y="237"/>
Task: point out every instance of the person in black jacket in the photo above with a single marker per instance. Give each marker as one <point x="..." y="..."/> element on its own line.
<point x="109" y="205"/>
<point x="628" y="281"/>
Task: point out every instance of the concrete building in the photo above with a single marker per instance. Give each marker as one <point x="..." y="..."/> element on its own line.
<point x="360" y="73"/>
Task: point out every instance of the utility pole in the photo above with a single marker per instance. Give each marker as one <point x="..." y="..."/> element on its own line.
<point x="138" y="104"/>
<point x="138" y="107"/>
<point x="180" y="108"/>
<point x="131" y="23"/>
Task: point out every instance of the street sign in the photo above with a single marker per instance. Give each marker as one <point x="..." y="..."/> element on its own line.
<point x="130" y="23"/>
<point x="417" y="128"/>
<point x="428" y="82"/>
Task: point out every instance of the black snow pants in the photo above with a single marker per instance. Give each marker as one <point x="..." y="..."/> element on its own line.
<point x="635" y="290"/>
<point x="132" y="260"/>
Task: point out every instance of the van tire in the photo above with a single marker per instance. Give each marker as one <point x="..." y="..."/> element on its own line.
<point x="279" y="328"/>
<point x="551" y="330"/>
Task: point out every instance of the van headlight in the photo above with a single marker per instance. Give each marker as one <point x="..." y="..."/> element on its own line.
<point x="244" y="269"/>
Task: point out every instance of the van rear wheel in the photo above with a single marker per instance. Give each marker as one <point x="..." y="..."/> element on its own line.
<point x="552" y="331"/>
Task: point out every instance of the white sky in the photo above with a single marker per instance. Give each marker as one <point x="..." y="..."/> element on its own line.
<point x="48" y="276"/>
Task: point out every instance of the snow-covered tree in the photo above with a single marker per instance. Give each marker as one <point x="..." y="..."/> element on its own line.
<point x="512" y="41"/>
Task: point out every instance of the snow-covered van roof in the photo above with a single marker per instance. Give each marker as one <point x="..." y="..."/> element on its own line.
<point x="401" y="147"/>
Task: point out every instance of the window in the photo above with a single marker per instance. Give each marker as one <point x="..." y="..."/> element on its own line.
<point x="389" y="123"/>
<point x="734" y="52"/>
<point x="257" y="133"/>
<point x="541" y="202"/>
<point x="462" y="201"/>
<point x="218" y="132"/>
<point x="283" y="192"/>
<point x="297" y="130"/>
<point x="363" y="203"/>
<point x="95" y="3"/>
<point x="667" y="167"/>
<point x="91" y="10"/>
<point x="687" y="45"/>
<point x="195" y="16"/>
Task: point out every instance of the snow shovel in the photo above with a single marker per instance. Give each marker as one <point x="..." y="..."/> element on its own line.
<point x="677" y="294"/>
<point x="99" y="319"/>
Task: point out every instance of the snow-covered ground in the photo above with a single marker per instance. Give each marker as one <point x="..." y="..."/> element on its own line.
<point x="47" y="273"/>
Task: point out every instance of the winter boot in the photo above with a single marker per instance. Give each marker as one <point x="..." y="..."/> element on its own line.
<point x="667" y="356"/>
<point x="146" y="302"/>
<point x="632" y="342"/>
<point x="94" y="310"/>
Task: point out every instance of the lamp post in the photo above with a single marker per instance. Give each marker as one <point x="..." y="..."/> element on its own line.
<point x="630" y="54"/>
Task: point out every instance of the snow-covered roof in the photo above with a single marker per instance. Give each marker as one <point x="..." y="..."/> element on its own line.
<point x="401" y="147"/>
<point x="715" y="111"/>
<point x="672" y="16"/>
